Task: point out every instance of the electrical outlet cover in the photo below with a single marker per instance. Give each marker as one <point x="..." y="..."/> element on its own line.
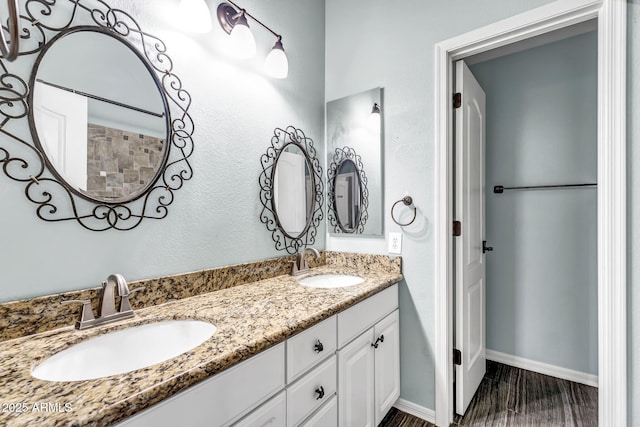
<point x="395" y="243"/>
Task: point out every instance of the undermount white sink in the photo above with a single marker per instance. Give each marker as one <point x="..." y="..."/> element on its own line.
<point x="124" y="350"/>
<point x="331" y="281"/>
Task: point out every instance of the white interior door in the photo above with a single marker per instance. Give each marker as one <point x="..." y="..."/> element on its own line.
<point x="469" y="210"/>
<point x="61" y="119"/>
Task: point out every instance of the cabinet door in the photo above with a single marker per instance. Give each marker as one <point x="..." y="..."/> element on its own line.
<point x="355" y="383"/>
<point x="387" y="365"/>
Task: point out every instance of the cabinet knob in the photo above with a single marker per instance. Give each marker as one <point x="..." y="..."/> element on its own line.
<point x="320" y="393"/>
<point x="318" y="347"/>
<point x="378" y="341"/>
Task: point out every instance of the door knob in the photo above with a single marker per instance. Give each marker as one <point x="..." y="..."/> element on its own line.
<point x="486" y="248"/>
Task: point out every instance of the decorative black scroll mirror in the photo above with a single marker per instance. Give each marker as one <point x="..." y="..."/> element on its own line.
<point x="291" y="190"/>
<point x="110" y="134"/>
<point x="347" y="192"/>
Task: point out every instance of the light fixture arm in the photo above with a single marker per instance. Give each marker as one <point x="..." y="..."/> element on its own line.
<point x="244" y="11"/>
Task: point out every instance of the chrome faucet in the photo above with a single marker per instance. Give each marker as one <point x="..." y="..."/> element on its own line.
<point x="300" y="265"/>
<point x="107" y="309"/>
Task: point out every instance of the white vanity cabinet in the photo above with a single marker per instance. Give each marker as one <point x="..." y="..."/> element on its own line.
<point x="326" y="376"/>
<point x="224" y="398"/>
<point x="369" y="365"/>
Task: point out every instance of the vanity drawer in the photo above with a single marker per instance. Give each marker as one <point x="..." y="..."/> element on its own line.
<point x="327" y="415"/>
<point x="271" y="414"/>
<point x="310" y="347"/>
<point x="222" y="399"/>
<point x="355" y="320"/>
<point x="311" y="391"/>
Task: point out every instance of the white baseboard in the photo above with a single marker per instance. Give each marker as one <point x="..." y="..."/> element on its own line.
<point x="416" y="410"/>
<point x="543" y="368"/>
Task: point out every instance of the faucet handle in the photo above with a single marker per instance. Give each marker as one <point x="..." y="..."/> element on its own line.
<point x="86" y="316"/>
<point x="125" y="305"/>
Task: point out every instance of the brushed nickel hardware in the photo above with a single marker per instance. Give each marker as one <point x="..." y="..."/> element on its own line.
<point x="407" y="201"/>
<point x="87" y="312"/>
<point x="107" y="310"/>
<point x="300" y="265"/>
<point x="318" y="347"/>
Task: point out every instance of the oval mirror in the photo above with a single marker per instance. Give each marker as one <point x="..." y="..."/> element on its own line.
<point x="293" y="190"/>
<point x="98" y="115"/>
<point x="348" y="195"/>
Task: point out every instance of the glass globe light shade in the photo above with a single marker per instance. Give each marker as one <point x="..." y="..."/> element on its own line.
<point x="276" y="64"/>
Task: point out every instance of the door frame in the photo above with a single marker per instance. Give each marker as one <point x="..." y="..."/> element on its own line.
<point x="612" y="222"/>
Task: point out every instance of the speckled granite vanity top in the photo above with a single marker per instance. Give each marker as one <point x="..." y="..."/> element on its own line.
<point x="250" y="318"/>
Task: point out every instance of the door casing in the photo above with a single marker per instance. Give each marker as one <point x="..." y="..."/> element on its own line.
<point x="612" y="262"/>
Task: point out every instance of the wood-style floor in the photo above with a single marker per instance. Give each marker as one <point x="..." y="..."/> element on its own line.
<point x="511" y="396"/>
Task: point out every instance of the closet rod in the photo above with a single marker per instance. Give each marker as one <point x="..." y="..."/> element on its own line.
<point x="498" y="189"/>
<point x="99" y="98"/>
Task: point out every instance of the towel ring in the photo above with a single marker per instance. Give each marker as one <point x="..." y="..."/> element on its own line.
<point x="10" y="49"/>
<point x="407" y="200"/>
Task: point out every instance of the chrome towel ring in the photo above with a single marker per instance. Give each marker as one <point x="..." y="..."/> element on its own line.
<point x="9" y="49"/>
<point x="408" y="201"/>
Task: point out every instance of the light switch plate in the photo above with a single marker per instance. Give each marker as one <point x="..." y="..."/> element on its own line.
<point x="395" y="243"/>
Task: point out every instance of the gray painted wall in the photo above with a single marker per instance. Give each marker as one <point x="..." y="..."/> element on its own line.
<point x="214" y="220"/>
<point x="364" y="50"/>
<point x="369" y="44"/>
<point x="542" y="287"/>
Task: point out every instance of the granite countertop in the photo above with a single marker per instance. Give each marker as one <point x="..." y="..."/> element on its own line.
<point x="249" y="318"/>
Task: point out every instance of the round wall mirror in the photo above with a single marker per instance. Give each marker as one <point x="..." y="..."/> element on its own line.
<point x="348" y="195"/>
<point x="293" y="190"/>
<point x="99" y="115"/>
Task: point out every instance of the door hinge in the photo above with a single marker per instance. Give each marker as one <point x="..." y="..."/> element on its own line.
<point x="457" y="228"/>
<point x="457" y="100"/>
<point x="457" y="357"/>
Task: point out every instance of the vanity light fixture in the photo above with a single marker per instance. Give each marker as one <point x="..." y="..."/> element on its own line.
<point x="276" y="64"/>
<point x="233" y="20"/>
<point x="243" y="45"/>
<point x="195" y="16"/>
<point x="374" y="117"/>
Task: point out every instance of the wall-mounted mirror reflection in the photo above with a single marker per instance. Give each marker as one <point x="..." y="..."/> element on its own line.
<point x="347" y="188"/>
<point x="293" y="189"/>
<point x="99" y="115"/>
<point x="354" y="136"/>
<point x="348" y="195"/>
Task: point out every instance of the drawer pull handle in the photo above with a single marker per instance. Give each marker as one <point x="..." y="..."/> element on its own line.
<point x="379" y="340"/>
<point x="318" y="347"/>
<point x="320" y="393"/>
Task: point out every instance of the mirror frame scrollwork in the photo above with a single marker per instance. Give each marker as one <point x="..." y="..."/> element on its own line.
<point x="42" y="22"/>
<point x="269" y="216"/>
<point x="339" y="156"/>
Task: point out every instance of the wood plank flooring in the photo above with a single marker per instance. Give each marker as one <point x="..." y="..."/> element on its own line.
<point x="511" y="396"/>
